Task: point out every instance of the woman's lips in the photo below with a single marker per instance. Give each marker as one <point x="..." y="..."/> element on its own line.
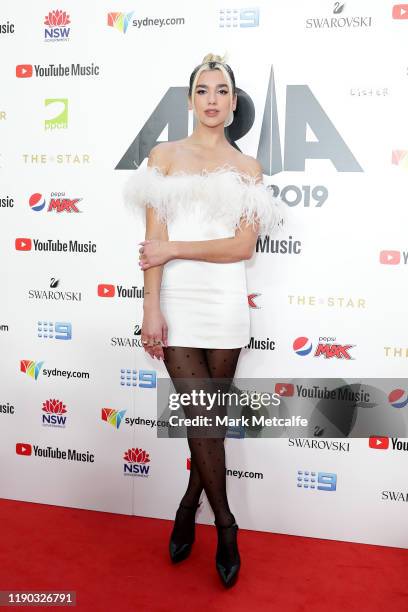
<point x="211" y="113"/>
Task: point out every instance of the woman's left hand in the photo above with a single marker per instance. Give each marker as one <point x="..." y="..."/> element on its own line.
<point x="154" y="253"/>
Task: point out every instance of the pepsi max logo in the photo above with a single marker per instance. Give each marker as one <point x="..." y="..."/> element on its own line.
<point x="36" y="201"/>
<point x="398" y="398"/>
<point x="326" y="347"/>
<point x="302" y="346"/>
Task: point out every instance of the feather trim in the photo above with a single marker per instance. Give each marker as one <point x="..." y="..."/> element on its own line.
<point x="231" y="197"/>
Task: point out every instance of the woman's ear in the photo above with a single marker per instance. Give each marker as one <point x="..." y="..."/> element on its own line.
<point x="190" y="105"/>
<point x="234" y="101"/>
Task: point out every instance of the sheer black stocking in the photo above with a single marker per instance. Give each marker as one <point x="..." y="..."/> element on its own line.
<point x="207" y="454"/>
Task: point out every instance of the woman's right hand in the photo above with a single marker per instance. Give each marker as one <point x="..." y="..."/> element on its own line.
<point x="154" y="328"/>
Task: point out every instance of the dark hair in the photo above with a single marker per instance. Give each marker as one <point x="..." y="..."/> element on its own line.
<point x="212" y="65"/>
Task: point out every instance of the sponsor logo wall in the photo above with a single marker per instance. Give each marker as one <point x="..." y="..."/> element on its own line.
<point x="87" y="91"/>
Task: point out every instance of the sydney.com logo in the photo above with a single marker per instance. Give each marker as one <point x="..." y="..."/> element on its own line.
<point x="33" y="369"/>
<point x="121" y="21"/>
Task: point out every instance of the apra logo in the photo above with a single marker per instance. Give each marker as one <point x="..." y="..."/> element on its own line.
<point x="302" y="110"/>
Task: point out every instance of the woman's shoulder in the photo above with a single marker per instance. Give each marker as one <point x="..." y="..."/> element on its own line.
<point x="163" y="153"/>
<point x="229" y="192"/>
<point x="250" y="166"/>
<point x="160" y="155"/>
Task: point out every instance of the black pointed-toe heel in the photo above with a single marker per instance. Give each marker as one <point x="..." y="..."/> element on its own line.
<point x="179" y="552"/>
<point x="227" y="560"/>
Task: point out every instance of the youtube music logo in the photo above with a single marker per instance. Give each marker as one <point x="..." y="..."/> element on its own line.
<point x="23" y="244"/>
<point x="106" y="290"/>
<point x="24" y="71"/>
<point x="23" y="449"/>
<point x="284" y="389"/>
<point x="391" y="258"/>
<point x="400" y="11"/>
<point x="378" y="442"/>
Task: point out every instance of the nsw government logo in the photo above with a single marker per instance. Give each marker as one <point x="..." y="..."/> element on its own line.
<point x="56" y="29"/>
<point x="54" y="413"/>
<point x="136" y="463"/>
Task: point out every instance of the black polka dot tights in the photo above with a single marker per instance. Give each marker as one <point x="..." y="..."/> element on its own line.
<point x="186" y="366"/>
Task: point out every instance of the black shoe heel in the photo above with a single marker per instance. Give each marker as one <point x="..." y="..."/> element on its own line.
<point x="179" y="552"/>
<point x="228" y="565"/>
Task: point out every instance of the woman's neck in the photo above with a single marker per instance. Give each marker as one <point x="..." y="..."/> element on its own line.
<point x="209" y="138"/>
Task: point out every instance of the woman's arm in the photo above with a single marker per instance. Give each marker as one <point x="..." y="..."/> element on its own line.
<point x="155" y="230"/>
<point x="154" y="326"/>
<point x="221" y="250"/>
<point x="153" y="276"/>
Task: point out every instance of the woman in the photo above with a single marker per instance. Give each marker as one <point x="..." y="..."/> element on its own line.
<point x="205" y="206"/>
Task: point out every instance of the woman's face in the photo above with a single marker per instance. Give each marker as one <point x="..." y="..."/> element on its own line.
<point x="212" y="98"/>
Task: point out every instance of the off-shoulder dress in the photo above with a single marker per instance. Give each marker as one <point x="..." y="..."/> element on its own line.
<point x="205" y="304"/>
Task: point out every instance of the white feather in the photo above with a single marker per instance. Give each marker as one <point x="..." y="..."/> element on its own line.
<point x="230" y="196"/>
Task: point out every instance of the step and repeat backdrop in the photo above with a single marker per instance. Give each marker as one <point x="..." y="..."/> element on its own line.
<point x="87" y="90"/>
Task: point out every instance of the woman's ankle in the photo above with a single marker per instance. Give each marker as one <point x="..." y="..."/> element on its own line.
<point x="224" y="521"/>
<point x="189" y="503"/>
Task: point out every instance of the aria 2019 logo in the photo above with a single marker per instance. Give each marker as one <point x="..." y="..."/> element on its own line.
<point x="282" y="143"/>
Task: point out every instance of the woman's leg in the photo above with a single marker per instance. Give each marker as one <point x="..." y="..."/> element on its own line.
<point x="184" y="363"/>
<point x="207" y="454"/>
<point x="222" y="364"/>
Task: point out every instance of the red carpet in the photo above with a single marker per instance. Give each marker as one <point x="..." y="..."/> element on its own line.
<point x="120" y="563"/>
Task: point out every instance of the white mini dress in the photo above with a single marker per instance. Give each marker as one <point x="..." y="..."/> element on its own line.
<point x="205" y="304"/>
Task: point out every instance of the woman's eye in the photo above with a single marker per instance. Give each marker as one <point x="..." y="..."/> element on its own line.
<point x="222" y="91"/>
